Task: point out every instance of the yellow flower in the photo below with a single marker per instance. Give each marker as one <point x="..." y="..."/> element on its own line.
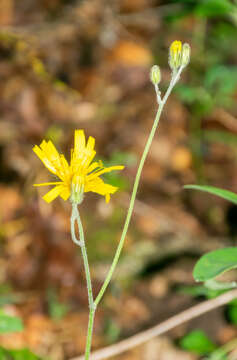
<point x="82" y="175"/>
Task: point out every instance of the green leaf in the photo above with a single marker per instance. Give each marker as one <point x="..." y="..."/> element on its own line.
<point x="22" y="354"/>
<point x="215" y="263"/>
<point x="209" y="8"/>
<point x="225" y="194"/>
<point x="10" y="324"/>
<point x="197" y="342"/>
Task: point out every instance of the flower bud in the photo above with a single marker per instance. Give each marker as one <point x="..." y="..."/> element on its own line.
<point x="185" y="54"/>
<point x="175" y="55"/>
<point x="155" y="75"/>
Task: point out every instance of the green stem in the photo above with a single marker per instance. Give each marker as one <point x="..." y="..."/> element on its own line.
<point x="89" y="333"/>
<point x="81" y="242"/>
<point x="76" y="217"/>
<point x="135" y="187"/>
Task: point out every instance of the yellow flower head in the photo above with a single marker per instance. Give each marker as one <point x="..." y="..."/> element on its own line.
<point x="82" y="175"/>
<point x="175" y="55"/>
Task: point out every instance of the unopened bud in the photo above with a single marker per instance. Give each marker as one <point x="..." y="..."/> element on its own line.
<point x="155" y="75"/>
<point x="186" y="50"/>
<point x="175" y="55"/>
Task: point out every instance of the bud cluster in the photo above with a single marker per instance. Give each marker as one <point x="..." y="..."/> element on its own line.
<point x="179" y="55"/>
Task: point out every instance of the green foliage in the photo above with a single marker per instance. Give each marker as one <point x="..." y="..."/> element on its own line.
<point x="22" y="354"/>
<point x="215" y="263"/>
<point x="221" y="82"/>
<point x="116" y="178"/>
<point x="211" y="8"/>
<point x="217" y="87"/>
<point x="200" y="290"/>
<point x="197" y="96"/>
<point x="220" y="285"/>
<point x="200" y="9"/>
<point x="7" y="296"/>
<point x="225" y="194"/>
<point x="232" y="312"/>
<point x="223" y="137"/>
<point x="112" y="331"/>
<point x="197" y="341"/>
<point x="9" y="323"/>
<point x="223" y="36"/>
<point x="57" y="310"/>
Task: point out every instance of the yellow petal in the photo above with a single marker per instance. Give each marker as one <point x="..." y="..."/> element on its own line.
<point x="45" y="160"/>
<point x="53" y="193"/>
<point x="49" y="183"/>
<point x="52" y="153"/>
<point x="93" y="166"/>
<point x="98" y="186"/>
<point x="65" y="193"/>
<point x="79" y="142"/>
<point x="64" y="172"/>
<point x="90" y="143"/>
<point x="103" y="171"/>
<point x="88" y="156"/>
<point x="50" y="149"/>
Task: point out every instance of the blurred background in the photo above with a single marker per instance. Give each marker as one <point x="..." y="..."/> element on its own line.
<point x="74" y="64"/>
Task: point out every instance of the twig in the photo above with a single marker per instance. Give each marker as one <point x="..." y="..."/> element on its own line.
<point x="159" y="329"/>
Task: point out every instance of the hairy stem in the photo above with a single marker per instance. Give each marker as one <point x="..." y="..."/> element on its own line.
<point x="81" y="242"/>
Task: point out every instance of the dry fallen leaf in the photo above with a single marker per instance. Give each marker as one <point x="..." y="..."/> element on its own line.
<point x="129" y="53"/>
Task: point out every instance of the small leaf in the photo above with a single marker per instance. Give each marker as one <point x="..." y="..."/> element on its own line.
<point x="225" y="194"/>
<point x="215" y="263"/>
<point x="22" y="354"/>
<point x="10" y="324"/>
<point x="197" y="342"/>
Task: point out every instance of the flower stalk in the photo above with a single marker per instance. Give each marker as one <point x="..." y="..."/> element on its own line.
<point x="75" y="218"/>
<point x="82" y="175"/>
<point x="161" y="102"/>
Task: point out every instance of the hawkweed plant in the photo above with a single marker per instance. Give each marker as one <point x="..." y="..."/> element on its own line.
<point x="83" y="175"/>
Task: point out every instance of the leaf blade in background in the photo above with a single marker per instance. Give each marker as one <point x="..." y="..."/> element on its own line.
<point x="198" y="342"/>
<point x="210" y="8"/>
<point x="215" y="263"/>
<point x="10" y="324"/>
<point x="225" y="194"/>
<point x="223" y="137"/>
<point x="21" y="354"/>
